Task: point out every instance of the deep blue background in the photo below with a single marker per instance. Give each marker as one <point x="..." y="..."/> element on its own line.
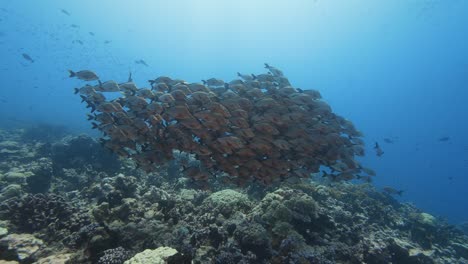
<point x="398" y="69"/>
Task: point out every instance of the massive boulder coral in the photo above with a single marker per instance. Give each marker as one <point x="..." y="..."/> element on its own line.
<point x="257" y="127"/>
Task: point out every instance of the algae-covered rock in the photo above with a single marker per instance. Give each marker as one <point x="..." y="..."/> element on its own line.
<point x="22" y="246"/>
<point x="286" y="205"/>
<point x="153" y="256"/>
<point x="227" y="201"/>
<point x="55" y="259"/>
<point x="427" y="219"/>
<point x="3" y="231"/>
<point x="12" y="190"/>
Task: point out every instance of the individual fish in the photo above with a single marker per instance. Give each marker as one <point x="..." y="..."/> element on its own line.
<point x="444" y="139"/>
<point x="378" y="151"/>
<point x="109" y="86"/>
<point x="91" y="33"/>
<point x="388" y="140"/>
<point x="392" y="191"/>
<point x="3" y="99"/>
<point x="85" y="90"/>
<point x="78" y="41"/>
<point x="246" y="77"/>
<point x="74" y="26"/>
<point x="130" y="77"/>
<point x="27" y="57"/>
<point x="65" y="12"/>
<point x="274" y="70"/>
<point x="213" y="82"/>
<point x="142" y="62"/>
<point x="128" y="88"/>
<point x="85" y="75"/>
<point x="365" y="178"/>
<point x="107" y="41"/>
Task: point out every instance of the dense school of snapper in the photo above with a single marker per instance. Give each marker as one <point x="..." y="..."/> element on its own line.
<point x="257" y="127"/>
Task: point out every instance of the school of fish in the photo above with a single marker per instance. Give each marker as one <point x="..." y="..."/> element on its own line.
<point x="255" y="128"/>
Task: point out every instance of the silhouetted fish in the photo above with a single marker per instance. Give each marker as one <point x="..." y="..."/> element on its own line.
<point x="74" y="26"/>
<point x="392" y="191"/>
<point x="378" y="151"/>
<point x="27" y="57"/>
<point x="65" y="12"/>
<point x="84" y="75"/>
<point x="107" y="41"/>
<point x="91" y="33"/>
<point x="388" y="140"/>
<point x="142" y="62"/>
<point x="442" y="139"/>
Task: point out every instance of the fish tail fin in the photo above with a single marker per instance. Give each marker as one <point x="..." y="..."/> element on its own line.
<point x="266" y="65"/>
<point x="100" y="83"/>
<point x="95" y="125"/>
<point x="77" y="90"/>
<point x="239" y="74"/>
<point x="253" y="76"/>
<point x="130" y="76"/>
<point x="83" y="98"/>
<point x="204" y="82"/>
<point x="72" y="73"/>
<point x="90" y="116"/>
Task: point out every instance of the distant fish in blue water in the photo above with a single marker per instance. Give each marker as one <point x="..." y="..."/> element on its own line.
<point x="392" y="191"/>
<point x="107" y="41"/>
<point x="27" y="57"/>
<point x="84" y="75"/>
<point x="142" y="62"/>
<point x="378" y="151"/>
<point x="388" y="140"/>
<point x="91" y="33"/>
<point x="443" y="139"/>
<point x="78" y="41"/>
<point x="3" y="100"/>
<point x="65" y="12"/>
<point x="74" y="26"/>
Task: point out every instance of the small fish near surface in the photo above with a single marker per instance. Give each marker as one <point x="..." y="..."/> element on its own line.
<point x="27" y="57"/>
<point x="444" y="139"/>
<point x="378" y="151"/>
<point x="65" y="12"/>
<point x="142" y="62"/>
<point x="392" y="191"/>
<point x="85" y="75"/>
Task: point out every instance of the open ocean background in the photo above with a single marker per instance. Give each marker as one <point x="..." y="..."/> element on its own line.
<point x="397" y="69"/>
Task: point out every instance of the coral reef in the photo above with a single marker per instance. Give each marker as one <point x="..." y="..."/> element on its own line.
<point x="49" y="214"/>
<point x="101" y="215"/>
<point x="257" y="128"/>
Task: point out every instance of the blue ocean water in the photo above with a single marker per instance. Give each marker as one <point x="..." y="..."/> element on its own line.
<point x="397" y="69"/>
